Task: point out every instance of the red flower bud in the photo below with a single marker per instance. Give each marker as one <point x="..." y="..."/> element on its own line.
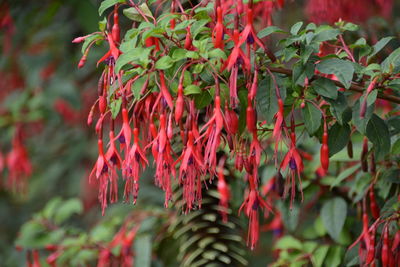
<point x="324" y="155"/>
<point x="102" y="104"/>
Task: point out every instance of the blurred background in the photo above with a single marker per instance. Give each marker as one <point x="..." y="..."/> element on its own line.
<point x="47" y="150"/>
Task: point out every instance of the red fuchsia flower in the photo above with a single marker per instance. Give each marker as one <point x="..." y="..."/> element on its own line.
<point x="164" y="90"/>
<point x="104" y="258"/>
<point x="252" y="204"/>
<point x="223" y="190"/>
<point x="237" y="55"/>
<point x="125" y="135"/>
<point x="213" y="135"/>
<point x="277" y="133"/>
<point x="134" y="165"/>
<point x="179" y="104"/>
<point x="113" y="52"/>
<point x="115" y="162"/>
<point x="249" y="34"/>
<point x="324" y="154"/>
<point x="191" y="172"/>
<point x="34" y="257"/>
<point x="294" y="161"/>
<point x="18" y="163"/>
<point x="218" y="31"/>
<point x="161" y="149"/>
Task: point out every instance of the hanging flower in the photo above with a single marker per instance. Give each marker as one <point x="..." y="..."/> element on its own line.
<point x="294" y="161"/>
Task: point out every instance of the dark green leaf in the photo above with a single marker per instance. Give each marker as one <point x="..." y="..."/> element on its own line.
<point x="107" y="4"/>
<point x="361" y="124"/>
<point x="325" y="87"/>
<point x="267" y="103"/>
<point x="339" y="136"/>
<point x="333" y="214"/>
<point x="312" y="118"/>
<point x="378" y="133"/>
<point x="133" y="55"/>
<point x="202" y="100"/>
<point x="343" y="69"/>
<point x="339" y="108"/>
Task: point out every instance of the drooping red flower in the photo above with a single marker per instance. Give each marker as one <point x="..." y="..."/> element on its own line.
<point x="251" y="205"/>
<point x="223" y="190"/>
<point x="134" y="165"/>
<point x="18" y="163"/>
<point x="191" y="172"/>
<point x="218" y="31"/>
<point x="294" y="161"/>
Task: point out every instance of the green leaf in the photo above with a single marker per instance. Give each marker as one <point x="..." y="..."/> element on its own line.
<point x="296" y="28"/>
<point x="325" y="87"/>
<point x="361" y="123"/>
<point x="164" y="63"/>
<point x="143" y="247"/>
<point x="67" y="209"/>
<point x="344" y="174"/>
<point x="288" y="242"/>
<point x="269" y="30"/>
<point x="115" y="107"/>
<point x="334" y="257"/>
<point x="90" y="39"/>
<point x="107" y="4"/>
<point x="343" y="69"/>
<point x="203" y="99"/>
<point x="326" y="35"/>
<point x="380" y="45"/>
<point x="318" y="256"/>
<point x="312" y="118"/>
<point x="339" y="136"/>
<point x="179" y="54"/>
<point x="333" y="214"/>
<point x="267" y="103"/>
<point x="133" y="14"/>
<point x="378" y="133"/>
<point x="339" y="108"/>
<point x="392" y="62"/>
<point x="396" y="147"/>
<point x="137" y="55"/>
<point x="192" y="90"/>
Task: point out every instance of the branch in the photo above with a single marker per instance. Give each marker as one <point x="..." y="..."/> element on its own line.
<point x="354" y="86"/>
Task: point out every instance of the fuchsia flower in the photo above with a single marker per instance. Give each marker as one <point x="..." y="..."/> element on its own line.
<point x="294" y="161"/>
<point x="134" y="164"/>
<point x="18" y="163"/>
<point x="237" y="55"/>
<point x="249" y="34"/>
<point x="161" y="149"/>
<point x="218" y="32"/>
<point x="190" y="172"/>
<point x="252" y="204"/>
<point x="213" y="135"/>
<point x="277" y="133"/>
<point x="223" y="190"/>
